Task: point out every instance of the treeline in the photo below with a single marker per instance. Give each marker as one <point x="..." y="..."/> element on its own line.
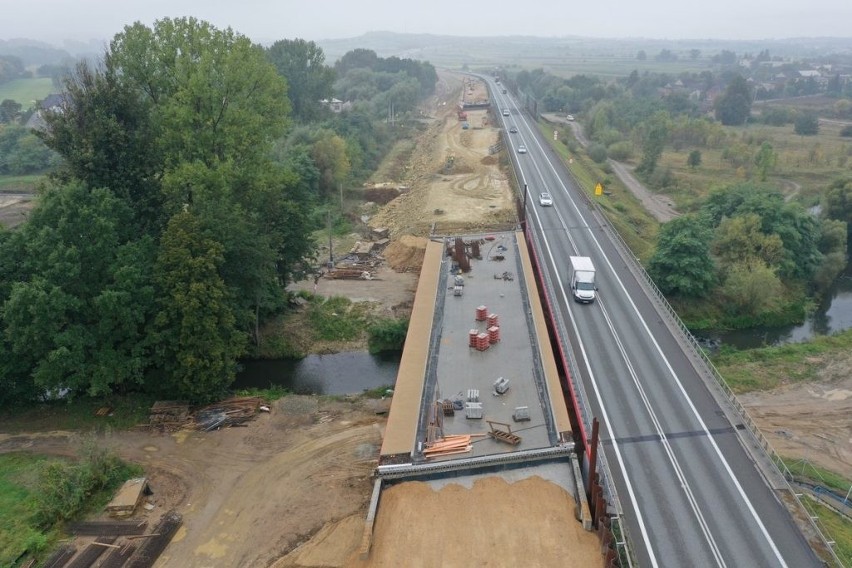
<point x="752" y="255"/>
<point x="748" y="255"/>
<point x="182" y="208"/>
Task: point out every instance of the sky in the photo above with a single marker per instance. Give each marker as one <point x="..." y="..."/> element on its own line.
<point x="269" y="20"/>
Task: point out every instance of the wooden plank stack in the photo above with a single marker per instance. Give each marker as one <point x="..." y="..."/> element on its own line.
<point x="450" y="445"/>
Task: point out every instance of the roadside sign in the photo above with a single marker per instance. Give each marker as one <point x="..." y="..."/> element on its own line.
<point x="599" y="189"/>
<point x="555" y="135"/>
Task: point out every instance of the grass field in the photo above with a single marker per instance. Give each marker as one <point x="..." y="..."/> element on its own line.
<point x="805" y="164"/>
<point x="127" y="411"/>
<point x="18" y="530"/>
<point x="768" y="367"/>
<point x="22" y="184"/>
<point x="26" y="91"/>
<point x="835" y="526"/>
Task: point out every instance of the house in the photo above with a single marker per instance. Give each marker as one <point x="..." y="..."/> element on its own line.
<point x="336" y="105"/>
<point x="51" y="103"/>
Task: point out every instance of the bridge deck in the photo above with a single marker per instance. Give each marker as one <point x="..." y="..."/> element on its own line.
<point x="439" y="364"/>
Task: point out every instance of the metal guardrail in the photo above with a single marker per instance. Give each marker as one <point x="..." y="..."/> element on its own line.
<point x="586" y="415"/>
<point x="709" y="368"/>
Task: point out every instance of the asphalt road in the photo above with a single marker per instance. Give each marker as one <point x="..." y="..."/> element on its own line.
<point x="690" y="493"/>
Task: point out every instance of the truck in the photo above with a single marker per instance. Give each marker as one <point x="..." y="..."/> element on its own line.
<point x="582" y="279"/>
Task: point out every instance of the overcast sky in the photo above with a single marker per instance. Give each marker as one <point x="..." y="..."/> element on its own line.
<point x="264" y="20"/>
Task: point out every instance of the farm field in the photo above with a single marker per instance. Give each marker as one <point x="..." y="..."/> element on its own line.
<point x="26" y="91"/>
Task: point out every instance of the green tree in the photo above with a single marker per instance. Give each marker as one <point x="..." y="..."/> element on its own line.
<point x="806" y="124"/>
<point x="81" y="294"/>
<point x="837" y="202"/>
<point x="309" y="80"/>
<point x="215" y="96"/>
<point x="741" y="240"/>
<point x="752" y="289"/>
<point x="655" y="134"/>
<point x="694" y="159"/>
<point x="9" y="111"/>
<point x="733" y="107"/>
<point x="331" y="159"/>
<point x="106" y="137"/>
<point x="833" y="246"/>
<point x="681" y="265"/>
<point x="765" y="160"/>
<point x="195" y="341"/>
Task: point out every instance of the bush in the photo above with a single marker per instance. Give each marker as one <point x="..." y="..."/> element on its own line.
<point x="620" y="151"/>
<point x="597" y="152"/>
<point x="806" y="124"/>
<point x="846" y="131"/>
<point x="65" y="489"/>
<point x="387" y="335"/>
<point x="661" y="178"/>
<point x="775" y="116"/>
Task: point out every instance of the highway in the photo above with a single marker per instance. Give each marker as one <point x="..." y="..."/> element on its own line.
<point x="691" y="494"/>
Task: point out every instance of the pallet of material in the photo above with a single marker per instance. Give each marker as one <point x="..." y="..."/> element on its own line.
<point x="127" y="498"/>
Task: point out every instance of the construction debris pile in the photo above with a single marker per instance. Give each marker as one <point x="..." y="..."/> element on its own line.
<point x="234" y="411"/>
<point x="170" y="415"/>
<point x="363" y="259"/>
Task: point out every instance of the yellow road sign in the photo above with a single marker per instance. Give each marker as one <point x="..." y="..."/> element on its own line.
<point x="599" y="189"/>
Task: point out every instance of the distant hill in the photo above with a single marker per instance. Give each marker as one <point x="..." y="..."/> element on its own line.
<point x="454" y="51"/>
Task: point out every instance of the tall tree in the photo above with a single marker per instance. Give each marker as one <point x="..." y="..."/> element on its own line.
<point x="733" y="107"/>
<point x="681" y="264"/>
<point x="81" y="294"/>
<point x="309" y="79"/>
<point x="195" y="341"/>
<point x="655" y="134"/>
<point x="765" y="160"/>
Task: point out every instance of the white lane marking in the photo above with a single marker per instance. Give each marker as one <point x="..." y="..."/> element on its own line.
<point x="605" y="415"/>
<point x="659" y="350"/>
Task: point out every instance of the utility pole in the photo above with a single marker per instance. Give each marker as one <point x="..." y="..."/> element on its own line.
<point x="330" y="249"/>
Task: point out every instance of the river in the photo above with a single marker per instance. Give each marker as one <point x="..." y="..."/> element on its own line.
<point x="833" y="315"/>
<point x="350" y="372"/>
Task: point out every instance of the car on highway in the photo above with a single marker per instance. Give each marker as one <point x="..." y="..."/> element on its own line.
<point x="505" y="112"/>
<point x="513" y="129"/>
<point x="522" y="149"/>
<point x="545" y="199"/>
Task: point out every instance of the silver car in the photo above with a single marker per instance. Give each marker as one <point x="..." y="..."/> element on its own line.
<point x="545" y="199"/>
<point x="522" y="149"/>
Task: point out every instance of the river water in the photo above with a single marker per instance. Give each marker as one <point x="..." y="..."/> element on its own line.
<point x="833" y="315"/>
<point x="335" y="374"/>
<point x="356" y="371"/>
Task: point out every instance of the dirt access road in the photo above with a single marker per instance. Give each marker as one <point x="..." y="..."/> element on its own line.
<point x="250" y="495"/>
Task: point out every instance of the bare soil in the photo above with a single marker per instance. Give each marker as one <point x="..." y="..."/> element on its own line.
<point x="249" y="495"/>
<point x="14" y="209"/>
<point x="811" y="421"/>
